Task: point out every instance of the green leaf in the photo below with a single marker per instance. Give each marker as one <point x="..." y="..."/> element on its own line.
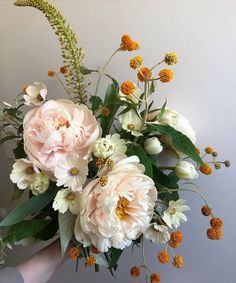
<point x="96" y="102"/>
<point x="113" y="103"/>
<point x="180" y="141"/>
<point x="152" y="87"/>
<point x="144" y="159"/>
<point x="25" y="229"/>
<point x="115" y="255"/>
<point x="162" y="110"/>
<point x="19" y="151"/>
<point x="66" y="227"/>
<point x="48" y="232"/>
<point x="31" y="206"/>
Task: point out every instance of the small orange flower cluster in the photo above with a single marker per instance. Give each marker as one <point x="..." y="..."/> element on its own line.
<point x="164" y="258"/>
<point x="127" y="88"/>
<point x="144" y="74"/>
<point x="63" y="71"/>
<point x="74" y="253"/>
<point x="175" y="239"/>
<point x="166" y="75"/>
<point x="206" y="169"/>
<point x="128" y="44"/>
<point x="135" y="272"/>
<point x="215" y="232"/>
<point x="90" y="261"/>
<point x="136" y="62"/>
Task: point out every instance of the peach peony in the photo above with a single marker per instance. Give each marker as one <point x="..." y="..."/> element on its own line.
<point x="117" y="207"/>
<point x="57" y="128"/>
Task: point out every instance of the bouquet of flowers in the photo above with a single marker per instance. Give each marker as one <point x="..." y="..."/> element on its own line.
<point x="91" y="163"/>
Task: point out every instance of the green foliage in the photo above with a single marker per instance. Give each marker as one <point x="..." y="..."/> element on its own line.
<point x="31" y="206"/>
<point x="25" y="229"/>
<point x="66" y="227"/>
<point x="72" y="55"/>
<point x="162" y="110"/>
<point x="96" y="102"/>
<point x="180" y="141"/>
<point x="19" y="151"/>
<point x="48" y="232"/>
<point x="112" y="102"/>
<point x="144" y="159"/>
<point x="114" y="257"/>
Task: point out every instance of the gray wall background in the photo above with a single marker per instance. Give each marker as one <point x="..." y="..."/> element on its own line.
<point x="203" y="33"/>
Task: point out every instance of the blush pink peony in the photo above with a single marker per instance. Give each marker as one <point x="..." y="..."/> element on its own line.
<point x="117" y="207"/>
<point x="57" y="128"/>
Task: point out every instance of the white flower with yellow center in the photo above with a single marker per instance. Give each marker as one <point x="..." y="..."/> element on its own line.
<point x="23" y="173"/>
<point x="173" y="215"/>
<point x="71" y="171"/>
<point x="130" y="122"/>
<point x="111" y="144"/>
<point x="67" y="199"/>
<point x="35" y="94"/>
<point x="157" y="234"/>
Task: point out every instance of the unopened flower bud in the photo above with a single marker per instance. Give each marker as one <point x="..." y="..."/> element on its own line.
<point x="153" y="146"/>
<point x="214" y="154"/>
<point x="185" y="170"/>
<point x="227" y="163"/>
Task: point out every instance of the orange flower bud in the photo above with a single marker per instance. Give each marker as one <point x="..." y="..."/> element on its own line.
<point x="214" y="234"/>
<point x="206" y="211"/>
<point x="144" y="74"/>
<point x="135" y="271"/>
<point x="206" y="169"/>
<point x="163" y="257"/>
<point x="216" y="223"/>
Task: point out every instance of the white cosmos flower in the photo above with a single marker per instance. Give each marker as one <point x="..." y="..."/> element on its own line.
<point x="130" y="122"/>
<point x="71" y="171"/>
<point x="35" y="94"/>
<point x="158" y="234"/>
<point x="40" y="184"/>
<point x="67" y="199"/>
<point x="173" y="215"/>
<point x="111" y="144"/>
<point x="23" y="173"/>
<point x="134" y="97"/>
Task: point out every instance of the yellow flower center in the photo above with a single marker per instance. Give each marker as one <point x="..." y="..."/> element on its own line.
<point x="131" y="127"/>
<point x="103" y="180"/>
<point x="70" y="196"/>
<point x="173" y="211"/>
<point x="121" y="208"/>
<point x="29" y="170"/>
<point x="74" y="171"/>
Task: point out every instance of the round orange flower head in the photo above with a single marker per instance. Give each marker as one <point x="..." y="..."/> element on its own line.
<point x="63" y="70"/>
<point x="197" y="149"/>
<point x="105" y="111"/>
<point x="144" y="74"/>
<point x="128" y="44"/>
<point x="175" y="239"/>
<point x="163" y="257"/>
<point x="214" y="234"/>
<point x="136" y="62"/>
<point x="135" y="271"/>
<point x="90" y="261"/>
<point x="155" y="278"/>
<point x="127" y="87"/>
<point x="206" y="211"/>
<point x="100" y="162"/>
<point x="74" y="253"/>
<point x="209" y="150"/>
<point x="166" y="75"/>
<point x="171" y="58"/>
<point x="178" y="261"/>
<point x="206" y="169"/>
<point x="216" y="223"/>
<point x="51" y="73"/>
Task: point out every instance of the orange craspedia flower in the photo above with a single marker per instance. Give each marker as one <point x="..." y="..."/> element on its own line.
<point x="127" y="87"/>
<point x="209" y="150"/>
<point x="135" y="271"/>
<point x="105" y="111"/>
<point x="136" y="62"/>
<point x="163" y="257"/>
<point x="51" y="73"/>
<point x="144" y="73"/>
<point x="197" y="149"/>
<point x="100" y="162"/>
<point x="155" y="278"/>
<point x="214" y="234"/>
<point x="178" y="261"/>
<point x="175" y="239"/>
<point x="206" y="169"/>
<point x="128" y="44"/>
<point x="206" y="211"/>
<point x="63" y="70"/>
<point x="216" y="223"/>
<point x="166" y="75"/>
<point x="74" y="253"/>
<point x="90" y="261"/>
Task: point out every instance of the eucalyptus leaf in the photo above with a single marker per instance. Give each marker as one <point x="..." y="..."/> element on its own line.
<point x="31" y="206"/>
<point x="66" y="227"/>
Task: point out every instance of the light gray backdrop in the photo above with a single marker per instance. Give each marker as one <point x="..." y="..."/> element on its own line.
<point x="203" y="33"/>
